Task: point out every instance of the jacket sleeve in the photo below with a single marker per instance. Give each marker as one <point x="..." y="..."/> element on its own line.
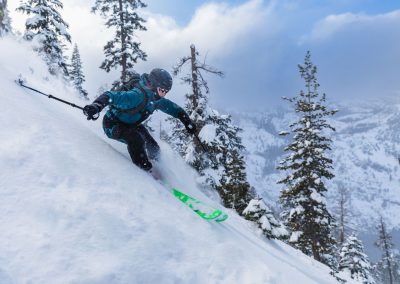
<point x="169" y="107"/>
<point x="102" y="101"/>
<point x="124" y="99"/>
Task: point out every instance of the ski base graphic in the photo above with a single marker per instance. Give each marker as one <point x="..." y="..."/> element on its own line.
<point x="204" y="211"/>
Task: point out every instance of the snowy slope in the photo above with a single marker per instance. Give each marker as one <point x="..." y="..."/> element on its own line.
<point x="73" y="208"/>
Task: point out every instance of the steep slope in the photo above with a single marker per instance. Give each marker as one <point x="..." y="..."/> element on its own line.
<point x="73" y="208"/>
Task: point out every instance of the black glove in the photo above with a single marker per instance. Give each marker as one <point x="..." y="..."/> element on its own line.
<point x="189" y="125"/>
<point x="92" y="111"/>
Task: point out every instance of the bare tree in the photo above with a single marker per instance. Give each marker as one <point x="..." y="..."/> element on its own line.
<point x="386" y="264"/>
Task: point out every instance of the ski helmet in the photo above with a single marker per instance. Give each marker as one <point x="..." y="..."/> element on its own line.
<point x="160" y="78"/>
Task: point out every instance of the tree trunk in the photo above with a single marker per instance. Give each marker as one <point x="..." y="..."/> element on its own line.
<point x="315" y="251"/>
<point x="123" y="44"/>
<point x="195" y="84"/>
<point x="387" y="253"/>
<point x="342" y="213"/>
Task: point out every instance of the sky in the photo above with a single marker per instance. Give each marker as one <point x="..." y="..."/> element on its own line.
<point x="258" y="45"/>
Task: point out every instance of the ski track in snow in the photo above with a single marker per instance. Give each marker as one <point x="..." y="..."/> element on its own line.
<point x="74" y="209"/>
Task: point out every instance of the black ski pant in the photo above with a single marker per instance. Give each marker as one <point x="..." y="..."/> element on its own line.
<point x="141" y="145"/>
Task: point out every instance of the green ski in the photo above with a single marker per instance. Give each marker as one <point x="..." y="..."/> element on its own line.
<point x="221" y="217"/>
<point x="204" y="211"/>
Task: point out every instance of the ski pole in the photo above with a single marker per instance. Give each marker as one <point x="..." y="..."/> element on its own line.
<point x="201" y="144"/>
<point x="21" y="83"/>
<point x="212" y="158"/>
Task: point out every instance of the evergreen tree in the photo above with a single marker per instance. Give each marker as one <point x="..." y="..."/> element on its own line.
<point x="122" y="51"/>
<point x="48" y="31"/>
<point x="223" y="166"/>
<point x="388" y="266"/>
<point x="226" y="148"/>
<point x="199" y="111"/>
<point x="305" y="210"/>
<point x="76" y="73"/>
<point x="354" y="262"/>
<point x="257" y="211"/>
<point x="5" y="21"/>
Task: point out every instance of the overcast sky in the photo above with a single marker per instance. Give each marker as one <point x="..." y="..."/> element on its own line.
<point x="258" y="44"/>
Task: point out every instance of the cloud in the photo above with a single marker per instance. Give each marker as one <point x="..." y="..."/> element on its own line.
<point x="359" y="52"/>
<point x="342" y="23"/>
<point x="233" y="38"/>
<point x="217" y="30"/>
<point x="258" y="45"/>
<point x="214" y="28"/>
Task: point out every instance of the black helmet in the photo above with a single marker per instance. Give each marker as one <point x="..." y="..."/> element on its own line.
<point x="160" y="78"/>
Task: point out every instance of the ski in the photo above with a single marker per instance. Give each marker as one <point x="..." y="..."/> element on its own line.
<point x="221" y="217"/>
<point x="204" y="211"/>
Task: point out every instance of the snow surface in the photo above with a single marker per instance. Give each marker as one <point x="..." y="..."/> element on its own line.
<point x="74" y="209"/>
<point x="208" y="133"/>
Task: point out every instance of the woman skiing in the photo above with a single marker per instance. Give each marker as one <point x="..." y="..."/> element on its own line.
<point x="128" y="109"/>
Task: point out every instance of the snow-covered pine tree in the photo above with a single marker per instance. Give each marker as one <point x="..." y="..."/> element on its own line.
<point x="387" y="267"/>
<point x="76" y="73"/>
<point x="305" y="209"/>
<point x="258" y="212"/>
<point x="354" y="262"/>
<point x="122" y="51"/>
<point x="198" y="109"/>
<point x="223" y="166"/>
<point x="5" y="21"/>
<point x="48" y="31"/>
<point x="227" y="149"/>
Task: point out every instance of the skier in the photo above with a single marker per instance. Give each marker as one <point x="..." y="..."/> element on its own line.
<point x="128" y="109"/>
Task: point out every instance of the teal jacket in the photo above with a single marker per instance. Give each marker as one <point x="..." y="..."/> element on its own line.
<point x="122" y="101"/>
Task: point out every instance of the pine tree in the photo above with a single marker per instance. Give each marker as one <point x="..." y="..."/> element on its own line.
<point x="388" y="266"/>
<point x="222" y="167"/>
<point x="227" y="149"/>
<point x="76" y="73"/>
<point x="305" y="210"/>
<point x="48" y="31"/>
<point x="5" y="21"/>
<point x="122" y="51"/>
<point x="199" y="111"/>
<point x="354" y="262"/>
<point x="257" y="211"/>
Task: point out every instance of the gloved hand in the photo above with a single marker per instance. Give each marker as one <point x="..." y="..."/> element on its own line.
<point x="92" y="111"/>
<point x="191" y="127"/>
<point x="189" y="124"/>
